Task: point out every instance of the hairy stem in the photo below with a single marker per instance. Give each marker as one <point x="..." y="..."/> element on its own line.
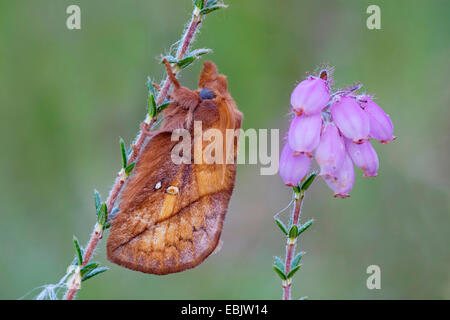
<point x="185" y="42"/>
<point x="291" y="244"/>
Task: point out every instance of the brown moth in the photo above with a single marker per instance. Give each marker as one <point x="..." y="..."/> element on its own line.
<point x="171" y="216"/>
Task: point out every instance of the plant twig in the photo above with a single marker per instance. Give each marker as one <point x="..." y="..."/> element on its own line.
<point x="291" y="244"/>
<point x="74" y="282"/>
<point x="286" y="269"/>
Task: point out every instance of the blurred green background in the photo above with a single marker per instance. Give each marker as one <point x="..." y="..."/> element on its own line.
<point x="66" y="96"/>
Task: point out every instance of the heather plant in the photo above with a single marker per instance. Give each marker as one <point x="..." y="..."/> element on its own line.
<point x="336" y="128"/>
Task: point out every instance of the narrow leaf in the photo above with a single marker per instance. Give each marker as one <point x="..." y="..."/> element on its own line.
<point x="308" y="181"/>
<point x="163" y="106"/>
<point x="113" y="212"/>
<point x="150" y="87"/>
<point x="293" y="233"/>
<point x="103" y="215"/>
<point x="211" y="2"/>
<point x="98" y="201"/>
<point x="277" y="262"/>
<point x="281" y="225"/>
<point x="210" y="9"/>
<point x="183" y="63"/>
<point x="293" y="271"/>
<point x="129" y="168"/>
<point x="305" y="226"/>
<point x="124" y="154"/>
<point x="280" y="273"/>
<point x="89" y="267"/>
<point x="94" y="273"/>
<point x="199" y="3"/>
<point x="200" y="52"/>
<point x="297" y="259"/>
<point x="78" y="251"/>
<point x="151" y="105"/>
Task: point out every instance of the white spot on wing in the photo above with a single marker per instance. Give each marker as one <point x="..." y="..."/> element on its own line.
<point x="172" y="190"/>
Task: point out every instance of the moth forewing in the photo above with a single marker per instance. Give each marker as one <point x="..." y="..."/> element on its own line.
<point x="176" y="225"/>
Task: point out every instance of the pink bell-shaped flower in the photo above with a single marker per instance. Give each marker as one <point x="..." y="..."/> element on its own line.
<point x="304" y="133"/>
<point x="293" y="168"/>
<point x="330" y="153"/>
<point x="381" y="127"/>
<point x="310" y="96"/>
<point x="351" y="120"/>
<point x="363" y="156"/>
<point x="344" y="180"/>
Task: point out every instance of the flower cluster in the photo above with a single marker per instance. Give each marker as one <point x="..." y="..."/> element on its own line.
<point x="338" y="127"/>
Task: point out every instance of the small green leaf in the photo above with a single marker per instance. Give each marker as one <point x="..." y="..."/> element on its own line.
<point x="293" y="271"/>
<point x="103" y="215"/>
<point x="150" y="87"/>
<point x="211" y="2"/>
<point x="280" y="273"/>
<point x="113" y="212"/>
<point x="200" y="52"/>
<point x="89" y="267"/>
<point x="278" y="263"/>
<point x="78" y="251"/>
<point x="297" y="259"/>
<point x="212" y="8"/>
<point x="308" y="181"/>
<point x="293" y="232"/>
<point x="151" y="105"/>
<point x="98" y="200"/>
<point x="124" y="154"/>
<point x="184" y="62"/>
<point x="94" y="273"/>
<point x="305" y="226"/>
<point x="199" y="3"/>
<point x="163" y="106"/>
<point x="107" y="225"/>
<point x="129" y="168"/>
<point x="281" y="225"/>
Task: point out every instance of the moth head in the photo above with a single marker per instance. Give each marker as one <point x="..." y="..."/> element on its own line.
<point x="206" y="94"/>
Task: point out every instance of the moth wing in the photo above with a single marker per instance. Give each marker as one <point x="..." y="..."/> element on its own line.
<point x="162" y="232"/>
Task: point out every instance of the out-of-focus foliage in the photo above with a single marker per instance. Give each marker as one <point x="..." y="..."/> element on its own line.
<point x="66" y="97"/>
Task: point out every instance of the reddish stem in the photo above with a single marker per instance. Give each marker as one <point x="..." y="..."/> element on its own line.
<point x="290" y="247"/>
<point x="136" y="149"/>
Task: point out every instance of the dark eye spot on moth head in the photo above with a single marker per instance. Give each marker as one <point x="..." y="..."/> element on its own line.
<point x="207" y="93"/>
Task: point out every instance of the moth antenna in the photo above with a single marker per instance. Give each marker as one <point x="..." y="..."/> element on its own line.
<point x="172" y="77"/>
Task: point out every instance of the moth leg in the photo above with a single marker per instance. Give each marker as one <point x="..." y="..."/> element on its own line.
<point x="185" y="97"/>
<point x="156" y="86"/>
<point x="170" y="74"/>
<point x="146" y="130"/>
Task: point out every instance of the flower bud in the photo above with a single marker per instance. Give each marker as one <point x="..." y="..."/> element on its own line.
<point x="293" y="168"/>
<point x="304" y="133"/>
<point x="351" y="120"/>
<point x="381" y="127"/>
<point x="330" y="153"/>
<point x="310" y="96"/>
<point x="363" y="156"/>
<point x="344" y="180"/>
